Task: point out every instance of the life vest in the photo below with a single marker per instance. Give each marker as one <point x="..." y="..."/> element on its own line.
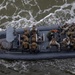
<point x="25" y="38"/>
<point x="26" y="32"/>
<point x="25" y="45"/>
<point x="33" y="39"/>
<point x="34" y="46"/>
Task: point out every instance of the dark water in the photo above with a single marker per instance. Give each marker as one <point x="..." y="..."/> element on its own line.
<point x="22" y="13"/>
<point x="29" y="12"/>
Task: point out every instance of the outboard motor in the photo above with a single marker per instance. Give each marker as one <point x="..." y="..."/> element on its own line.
<point x="10" y="37"/>
<point x="10" y="34"/>
<point x="7" y="43"/>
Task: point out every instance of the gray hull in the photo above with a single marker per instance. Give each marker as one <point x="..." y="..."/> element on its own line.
<point x="43" y="54"/>
<point x="39" y="56"/>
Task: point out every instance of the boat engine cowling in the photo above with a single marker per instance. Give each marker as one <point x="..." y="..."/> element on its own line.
<point x="10" y="34"/>
<point x="6" y="45"/>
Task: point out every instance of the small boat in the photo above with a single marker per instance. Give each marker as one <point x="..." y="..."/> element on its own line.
<point x="50" y="41"/>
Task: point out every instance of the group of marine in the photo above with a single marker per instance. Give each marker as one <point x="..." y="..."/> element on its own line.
<point x="68" y="42"/>
<point x="29" y="39"/>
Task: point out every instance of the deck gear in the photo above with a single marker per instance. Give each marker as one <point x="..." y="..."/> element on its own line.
<point x="10" y="34"/>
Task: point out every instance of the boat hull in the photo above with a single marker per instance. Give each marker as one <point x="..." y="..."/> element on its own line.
<point x="39" y="56"/>
<point x="43" y="53"/>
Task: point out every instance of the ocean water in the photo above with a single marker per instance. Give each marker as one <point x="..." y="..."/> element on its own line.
<point x="25" y="13"/>
<point x="22" y="13"/>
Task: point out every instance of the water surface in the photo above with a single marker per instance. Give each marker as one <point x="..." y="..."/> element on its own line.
<point x="22" y="13"/>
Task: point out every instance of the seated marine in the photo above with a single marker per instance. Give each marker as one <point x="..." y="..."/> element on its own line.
<point x="25" y="38"/>
<point x="70" y="32"/>
<point x="26" y="32"/>
<point x="25" y="45"/>
<point x="24" y="41"/>
<point x="53" y="42"/>
<point x="72" y="43"/>
<point x="34" y="47"/>
<point x="66" y="42"/>
<point x="65" y="28"/>
<point x="34" y="38"/>
<point x="50" y="34"/>
<point x="34" y="30"/>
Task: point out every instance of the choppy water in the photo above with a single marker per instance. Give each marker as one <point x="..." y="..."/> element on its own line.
<point x="28" y="12"/>
<point x="22" y="13"/>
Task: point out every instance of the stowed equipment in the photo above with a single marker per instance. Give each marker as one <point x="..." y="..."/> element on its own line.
<point x="30" y="40"/>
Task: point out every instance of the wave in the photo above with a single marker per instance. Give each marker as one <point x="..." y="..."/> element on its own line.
<point x="24" y="17"/>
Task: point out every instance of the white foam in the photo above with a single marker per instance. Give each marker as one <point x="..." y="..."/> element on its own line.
<point x="26" y="1"/>
<point x="70" y="21"/>
<point x="0" y="29"/>
<point x="65" y="12"/>
<point x="72" y="9"/>
<point x="23" y="22"/>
